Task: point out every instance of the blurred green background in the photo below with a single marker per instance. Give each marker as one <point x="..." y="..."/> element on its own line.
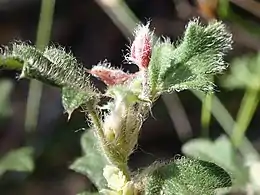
<point x="31" y="115"/>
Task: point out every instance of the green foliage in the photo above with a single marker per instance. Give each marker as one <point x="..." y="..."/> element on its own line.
<point x="73" y="99"/>
<point x="92" y="162"/>
<point x="191" y="64"/>
<point x="55" y="67"/>
<point x="52" y="66"/>
<point x="17" y="160"/>
<point x="6" y="87"/>
<point x="186" y="176"/>
<point x="220" y="152"/>
<point x="244" y="72"/>
<point x="67" y="71"/>
<point x="162" y="56"/>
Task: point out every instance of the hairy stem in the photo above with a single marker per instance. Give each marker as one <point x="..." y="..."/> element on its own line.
<point x="108" y="150"/>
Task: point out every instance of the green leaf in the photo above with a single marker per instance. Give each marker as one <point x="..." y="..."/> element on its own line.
<point x="186" y="176"/>
<point x="52" y="66"/>
<point x="220" y="152"/>
<point x="73" y="99"/>
<point x="17" y="160"/>
<point x="68" y="70"/>
<point x="6" y="87"/>
<point x="191" y="64"/>
<point x="35" y="65"/>
<point x="161" y="57"/>
<point x="56" y="67"/>
<point x="92" y="162"/>
<point x="244" y="72"/>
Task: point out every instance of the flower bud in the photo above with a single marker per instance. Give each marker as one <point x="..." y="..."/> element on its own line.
<point x="115" y="177"/>
<point x="112" y="126"/>
<point x="117" y="182"/>
<point x="114" y="121"/>
<point x="129" y="189"/>
<point x="110" y="76"/>
<point x="141" y="48"/>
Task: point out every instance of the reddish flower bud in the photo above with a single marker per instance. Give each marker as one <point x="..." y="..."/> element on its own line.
<point x="141" y="48"/>
<point x="110" y="76"/>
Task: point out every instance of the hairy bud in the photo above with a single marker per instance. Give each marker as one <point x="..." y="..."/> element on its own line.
<point x="109" y="75"/>
<point x="141" y="48"/>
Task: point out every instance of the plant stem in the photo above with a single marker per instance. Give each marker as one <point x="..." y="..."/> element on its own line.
<point x="97" y="124"/>
<point x="108" y="151"/>
<point x="227" y="123"/>
<point x="245" y="114"/>
<point x="206" y="114"/>
<point x="35" y="89"/>
<point x="125" y="170"/>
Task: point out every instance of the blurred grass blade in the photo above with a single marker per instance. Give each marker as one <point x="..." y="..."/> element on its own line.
<point x="120" y="14"/>
<point x="206" y="114"/>
<point x="35" y="89"/>
<point x="245" y="115"/>
<point x="227" y="123"/>
<point x="178" y="115"/>
<point x="244" y="73"/>
<point x="6" y="87"/>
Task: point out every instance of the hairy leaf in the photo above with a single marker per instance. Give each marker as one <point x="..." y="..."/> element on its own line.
<point x="17" y="160"/>
<point x="55" y="67"/>
<point x="92" y="162"/>
<point x="161" y="57"/>
<point x="186" y="176"/>
<point x="189" y="65"/>
<point x="220" y="152"/>
<point x="73" y="99"/>
<point x="52" y="66"/>
<point x="70" y="70"/>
